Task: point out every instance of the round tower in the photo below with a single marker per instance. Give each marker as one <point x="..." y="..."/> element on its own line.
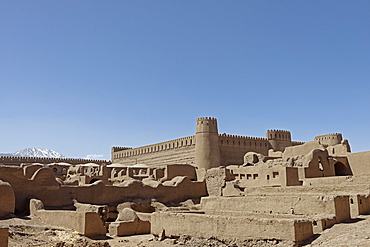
<point x="279" y="139"/>
<point x="330" y="139"/>
<point x="207" y="150"/>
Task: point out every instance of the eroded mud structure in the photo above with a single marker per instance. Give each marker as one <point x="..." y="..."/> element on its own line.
<point x="206" y="185"/>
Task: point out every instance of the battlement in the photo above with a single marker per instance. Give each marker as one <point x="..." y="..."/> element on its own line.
<point x="328" y="136"/>
<point x="116" y="149"/>
<point x="278" y="135"/>
<point x="330" y="139"/>
<point x="224" y="135"/>
<point x="162" y="146"/>
<point x="206" y="125"/>
<point x="206" y="119"/>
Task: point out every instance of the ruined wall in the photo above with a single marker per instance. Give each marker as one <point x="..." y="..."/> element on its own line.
<point x="329" y="139"/>
<point x="86" y="223"/>
<point x="4" y="236"/>
<point x="226" y="227"/>
<point x="301" y="149"/>
<point x="305" y="204"/>
<point x="262" y="175"/>
<point x="43" y="186"/>
<point x="359" y="163"/>
<point x="7" y="199"/>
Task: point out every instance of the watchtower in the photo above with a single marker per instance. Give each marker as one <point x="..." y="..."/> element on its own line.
<point x="279" y="139"/>
<point x="207" y="150"/>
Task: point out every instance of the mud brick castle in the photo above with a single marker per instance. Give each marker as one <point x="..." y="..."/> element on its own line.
<point x="206" y="149"/>
<point x="205" y="185"/>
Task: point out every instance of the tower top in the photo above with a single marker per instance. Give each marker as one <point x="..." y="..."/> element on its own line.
<point x="206" y="125"/>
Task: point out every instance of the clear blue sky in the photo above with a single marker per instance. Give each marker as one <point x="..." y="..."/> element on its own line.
<point x="80" y="77"/>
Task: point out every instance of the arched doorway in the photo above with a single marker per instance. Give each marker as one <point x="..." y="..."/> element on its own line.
<point x="341" y="169"/>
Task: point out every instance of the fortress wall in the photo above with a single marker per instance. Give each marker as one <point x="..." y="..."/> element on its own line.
<point x="181" y="155"/>
<point x="227" y="227"/>
<point x="178" y="151"/>
<point x="233" y="148"/>
<point x="10" y="160"/>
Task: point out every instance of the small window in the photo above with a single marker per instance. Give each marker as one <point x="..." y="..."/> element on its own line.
<point x="255" y="176"/>
<point x="268" y="177"/>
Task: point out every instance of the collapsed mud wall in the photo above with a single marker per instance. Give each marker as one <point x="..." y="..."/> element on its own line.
<point x="44" y="186"/>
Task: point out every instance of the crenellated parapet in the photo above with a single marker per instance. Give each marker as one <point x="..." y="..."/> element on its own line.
<point x="117" y="149"/>
<point x="154" y="148"/>
<point x="206" y="125"/>
<point x="237" y="140"/>
<point x="44" y="160"/>
<point x="279" y="139"/>
<point x="278" y="135"/>
<point x="330" y="139"/>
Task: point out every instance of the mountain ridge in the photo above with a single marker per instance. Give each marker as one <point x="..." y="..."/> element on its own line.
<point x="35" y="152"/>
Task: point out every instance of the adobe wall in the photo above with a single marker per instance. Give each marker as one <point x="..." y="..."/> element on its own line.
<point x="4" y="236"/>
<point x="309" y="205"/>
<point x="86" y="223"/>
<point x="359" y="163"/>
<point x="43" y="186"/>
<point x="11" y="160"/>
<point x="262" y="175"/>
<point x="226" y="227"/>
<point x="7" y="199"/>
<point x="178" y="151"/>
<point x="233" y="148"/>
<point x="182" y="151"/>
<point x="330" y="139"/>
<point x="212" y="150"/>
<point x="301" y="149"/>
<point x="41" y="183"/>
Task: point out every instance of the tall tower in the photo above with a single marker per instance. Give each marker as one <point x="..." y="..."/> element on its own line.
<point x="207" y="149"/>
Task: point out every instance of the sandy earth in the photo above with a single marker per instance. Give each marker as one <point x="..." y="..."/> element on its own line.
<point x="30" y="232"/>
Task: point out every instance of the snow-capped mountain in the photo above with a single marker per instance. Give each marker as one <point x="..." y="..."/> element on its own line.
<point x="36" y="152"/>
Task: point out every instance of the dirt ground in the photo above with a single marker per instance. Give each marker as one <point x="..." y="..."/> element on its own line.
<point x="30" y="232"/>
